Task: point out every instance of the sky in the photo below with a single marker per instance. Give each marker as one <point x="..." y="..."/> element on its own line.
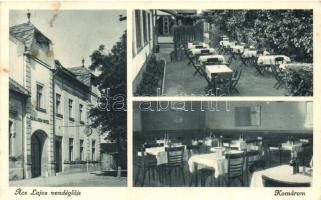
<point x="75" y="33"/>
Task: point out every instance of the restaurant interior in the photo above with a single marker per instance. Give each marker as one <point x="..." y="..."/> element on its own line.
<point x="222" y="144"/>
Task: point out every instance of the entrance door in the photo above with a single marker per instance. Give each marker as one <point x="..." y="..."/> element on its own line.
<point x="58" y="158"/>
<point x="36" y="151"/>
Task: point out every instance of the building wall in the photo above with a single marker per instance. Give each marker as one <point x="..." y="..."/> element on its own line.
<point x="66" y="128"/>
<point x="17" y="116"/>
<point x="16" y="61"/>
<point x="274" y="116"/>
<point x="289" y="116"/>
<point x="141" y="55"/>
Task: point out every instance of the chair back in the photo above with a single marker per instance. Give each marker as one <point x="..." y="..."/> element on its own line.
<point x="235" y="164"/>
<point x="279" y="60"/>
<point x="250" y="157"/>
<point x="205" y="51"/>
<point x="213" y="61"/>
<point x="144" y="160"/>
<point x="270" y="182"/>
<point x="175" y="155"/>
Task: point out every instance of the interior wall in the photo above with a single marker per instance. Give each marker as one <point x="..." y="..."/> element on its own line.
<point x="274" y="116"/>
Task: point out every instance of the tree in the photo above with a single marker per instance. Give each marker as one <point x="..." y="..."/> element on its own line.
<point x="112" y="85"/>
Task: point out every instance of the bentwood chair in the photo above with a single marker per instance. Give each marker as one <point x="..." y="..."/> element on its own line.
<point x="270" y="182"/>
<point x="175" y="156"/>
<point x="235" y="79"/>
<point x="213" y="61"/>
<point x="252" y="161"/>
<point x="278" y="73"/>
<point x="146" y="165"/>
<point x="235" y="167"/>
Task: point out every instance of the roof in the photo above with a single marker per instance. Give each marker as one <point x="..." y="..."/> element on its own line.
<point x="83" y="74"/>
<point x="26" y="33"/>
<point x="16" y="87"/>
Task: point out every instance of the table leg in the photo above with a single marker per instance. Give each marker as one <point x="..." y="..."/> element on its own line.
<point x="196" y="174"/>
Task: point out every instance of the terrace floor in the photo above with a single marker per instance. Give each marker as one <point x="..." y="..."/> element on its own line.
<point x="179" y="81"/>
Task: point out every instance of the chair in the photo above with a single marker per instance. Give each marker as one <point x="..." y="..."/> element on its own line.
<point x="278" y="73"/>
<point x="175" y="156"/>
<point x="269" y="182"/>
<point x="235" y="79"/>
<point x="235" y="166"/>
<point x="205" y="52"/>
<point x="251" y="164"/>
<point x="146" y="164"/>
<point x="222" y="83"/>
<point x="213" y="61"/>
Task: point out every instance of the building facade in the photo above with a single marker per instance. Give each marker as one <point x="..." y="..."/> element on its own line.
<point x="48" y="110"/>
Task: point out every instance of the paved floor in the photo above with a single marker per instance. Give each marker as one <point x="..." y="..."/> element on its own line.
<point x="179" y="81"/>
<point x="74" y="180"/>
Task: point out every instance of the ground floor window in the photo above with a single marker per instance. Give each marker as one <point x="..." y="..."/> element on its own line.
<point x="93" y="150"/>
<point x="81" y="150"/>
<point x="11" y="135"/>
<point x="71" y="149"/>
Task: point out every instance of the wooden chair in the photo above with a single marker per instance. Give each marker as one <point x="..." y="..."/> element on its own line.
<point x="251" y="165"/>
<point x="278" y="73"/>
<point x="213" y="61"/>
<point x="270" y="182"/>
<point x="235" y="169"/>
<point x="175" y="156"/>
<point x="146" y="164"/>
<point x="205" y="52"/>
<point x="235" y="79"/>
<point x="222" y="83"/>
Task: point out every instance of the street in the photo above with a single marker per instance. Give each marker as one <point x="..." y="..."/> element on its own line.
<point x="85" y="179"/>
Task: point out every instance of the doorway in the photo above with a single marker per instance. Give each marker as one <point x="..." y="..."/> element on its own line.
<point x="38" y="139"/>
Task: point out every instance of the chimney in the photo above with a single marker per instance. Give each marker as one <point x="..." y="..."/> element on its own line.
<point x="83" y="62"/>
<point x="28" y="16"/>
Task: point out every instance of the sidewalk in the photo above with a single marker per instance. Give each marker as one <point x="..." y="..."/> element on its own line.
<point x="85" y="179"/>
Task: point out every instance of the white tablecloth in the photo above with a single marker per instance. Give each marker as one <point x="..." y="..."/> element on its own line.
<point x="238" y="49"/>
<point x="247" y="53"/>
<point x="206" y="57"/>
<point x="217" y="69"/>
<point x="297" y="66"/>
<point x="282" y="173"/>
<point x="193" y="46"/>
<point x="292" y="147"/>
<point x="215" y="161"/>
<point x="198" y="51"/>
<point x="270" y="59"/>
<point x="161" y="154"/>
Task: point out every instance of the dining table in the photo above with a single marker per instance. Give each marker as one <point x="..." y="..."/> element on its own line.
<point x="161" y="154"/>
<point x="205" y="58"/>
<point x="270" y="59"/>
<point x="217" y="69"/>
<point x="282" y="173"/>
<point x="193" y="46"/>
<point x="199" y="51"/>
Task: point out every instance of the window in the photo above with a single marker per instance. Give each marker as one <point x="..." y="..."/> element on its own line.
<point x="145" y="27"/>
<point x="58" y="105"/>
<point x="11" y="136"/>
<point x="166" y="25"/>
<point x="93" y="150"/>
<point x="148" y="26"/>
<point x="309" y="114"/>
<point x="70" y="105"/>
<point x="40" y="98"/>
<point x="81" y="113"/>
<point x="138" y="30"/>
<point x="71" y="149"/>
<point x="81" y="149"/>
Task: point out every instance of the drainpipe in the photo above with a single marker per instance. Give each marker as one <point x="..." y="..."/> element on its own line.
<point x="54" y="114"/>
